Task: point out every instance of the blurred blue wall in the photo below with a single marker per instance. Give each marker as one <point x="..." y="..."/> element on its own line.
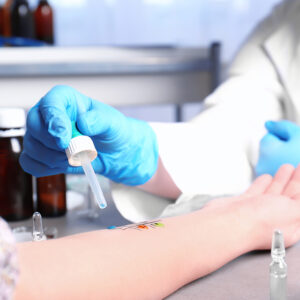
<point x="159" y="22"/>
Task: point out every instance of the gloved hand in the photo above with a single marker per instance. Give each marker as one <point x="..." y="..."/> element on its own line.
<point x="281" y="145"/>
<point x="127" y="148"/>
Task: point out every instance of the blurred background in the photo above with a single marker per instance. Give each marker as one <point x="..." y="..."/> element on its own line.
<point x="148" y="24"/>
<point x="154" y="60"/>
<point x="186" y="23"/>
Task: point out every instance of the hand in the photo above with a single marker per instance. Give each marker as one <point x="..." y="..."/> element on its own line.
<point x="269" y="204"/>
<point x="127" y="148"/>
<point x="276" y="203"/>
<point x="279" y="146"/>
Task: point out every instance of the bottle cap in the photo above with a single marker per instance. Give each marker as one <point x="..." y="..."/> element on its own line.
<point x="12" y="117"/>
<point x="81" y="148"/>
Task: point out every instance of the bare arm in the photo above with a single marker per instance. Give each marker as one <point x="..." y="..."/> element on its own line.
<point x="154" y="262"/>
<point x="141" y="264"/>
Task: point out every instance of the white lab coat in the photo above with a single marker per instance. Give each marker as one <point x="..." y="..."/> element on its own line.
<point x="215" y="153"/>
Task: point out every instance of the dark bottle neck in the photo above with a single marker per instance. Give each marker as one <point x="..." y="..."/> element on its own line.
<point x="17" y="3"/>
<point x="21" y="2"/>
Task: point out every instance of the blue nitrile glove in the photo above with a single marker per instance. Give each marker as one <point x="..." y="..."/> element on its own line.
<point x="281" y="145"/>
<point x="127" y="148"/>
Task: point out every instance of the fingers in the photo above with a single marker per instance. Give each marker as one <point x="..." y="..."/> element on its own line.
<point x="259" y="185"/>
<point x="269" y="185"/>
<point x="36" y="168"/>
<point x="280" y="180"/>
<point x="37" y="129"/>
<point x="293" y="186"/>
<point x="41" y="153"/>
<point x="57" y="108"/>
<point x="101" y="120"/>
<point x="39" y="169"/>
<point x="282" y="129"/>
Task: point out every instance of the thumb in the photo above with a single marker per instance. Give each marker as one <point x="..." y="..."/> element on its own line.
<point x="284" y="130"/>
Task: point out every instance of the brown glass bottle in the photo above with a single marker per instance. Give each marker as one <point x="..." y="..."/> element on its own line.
<point x="22" y="24"/>
<point x="51" y="195"/>
<point x="1" y="21"/>
<point x="43" y="17"/>
<point x="6" y="13"/>
<point x="16" y="202"/>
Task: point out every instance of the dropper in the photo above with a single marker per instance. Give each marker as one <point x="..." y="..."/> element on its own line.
<point x="81" y="152"/>
<point x="37" y="228"/>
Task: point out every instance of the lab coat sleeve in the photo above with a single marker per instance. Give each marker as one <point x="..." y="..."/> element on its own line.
<point x="216" y="151"/>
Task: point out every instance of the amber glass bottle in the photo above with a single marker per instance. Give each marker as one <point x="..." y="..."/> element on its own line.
<point x="22" y="24"/>
<point x="43" y="17"/>
<point x="16" y="201"/>
<point x="1" y="21"/>
<point x="51" y="195"/>
<point x="6" y="13"/>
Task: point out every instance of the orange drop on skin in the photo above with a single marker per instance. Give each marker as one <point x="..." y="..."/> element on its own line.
<point x="143" y="227"/>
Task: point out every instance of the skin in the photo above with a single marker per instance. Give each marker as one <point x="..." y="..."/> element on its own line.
<point x="133" y="264"/>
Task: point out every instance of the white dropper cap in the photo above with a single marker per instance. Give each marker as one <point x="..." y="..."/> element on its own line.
<point x="81" y="152"/>
<point x="79" y="146"/>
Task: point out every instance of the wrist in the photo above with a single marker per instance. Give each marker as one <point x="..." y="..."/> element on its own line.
<point x="221" y="233"/>
<point x="254" y="226"/>
<point x="241" y="224"/>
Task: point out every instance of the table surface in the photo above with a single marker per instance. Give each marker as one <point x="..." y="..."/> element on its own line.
<point x="247" y="277"/>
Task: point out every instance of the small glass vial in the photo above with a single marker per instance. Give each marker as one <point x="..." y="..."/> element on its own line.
<point x="16" y="201"/>
<point x="51" y="195"/>
<point x="278" y="268"/>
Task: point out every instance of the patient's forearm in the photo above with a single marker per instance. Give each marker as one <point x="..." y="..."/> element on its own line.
<point x="135" y="264"/>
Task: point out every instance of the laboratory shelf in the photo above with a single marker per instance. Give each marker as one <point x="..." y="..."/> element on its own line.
<point x="117" y="76"/>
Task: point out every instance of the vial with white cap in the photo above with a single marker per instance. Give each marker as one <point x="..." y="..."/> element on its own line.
<point x="81" y="152"/>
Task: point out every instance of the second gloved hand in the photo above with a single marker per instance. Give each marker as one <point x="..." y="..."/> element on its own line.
<point x="127" y="148"/>
<point x="281" y="145"/>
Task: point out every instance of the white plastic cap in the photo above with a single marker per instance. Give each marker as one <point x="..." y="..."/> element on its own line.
<point x="81" y="148"/>
<point x="12" y="117"/>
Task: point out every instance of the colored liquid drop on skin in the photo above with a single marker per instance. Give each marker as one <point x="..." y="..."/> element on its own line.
<point x="143" y="227"/>
<point x="111" y="227"/>
<point x="159" y="225"/>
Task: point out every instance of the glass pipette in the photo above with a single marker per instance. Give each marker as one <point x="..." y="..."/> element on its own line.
<point x="278" y="268"/>
<point x="92" y="179"/>
<point x="81" y="152"/>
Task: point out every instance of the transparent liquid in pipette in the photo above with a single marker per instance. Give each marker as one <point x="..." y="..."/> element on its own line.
<point x="94" y="184"/>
